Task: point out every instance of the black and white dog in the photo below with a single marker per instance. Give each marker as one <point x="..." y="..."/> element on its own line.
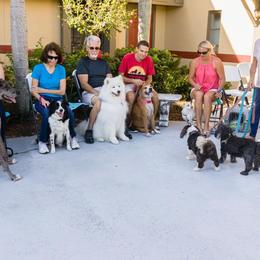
<point x="200" y="146"/>
<point x="236" y="146"/>
<point x="59" y="124"/>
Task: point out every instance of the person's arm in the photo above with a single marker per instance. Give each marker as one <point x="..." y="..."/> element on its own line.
<point x="221" y="74"/>
<point x="253" y="67"/>
<point x="35" y="93"/>
<point x="192" y="70"/>
<point x="2" y="73"/>
<point x="83" y="79"/>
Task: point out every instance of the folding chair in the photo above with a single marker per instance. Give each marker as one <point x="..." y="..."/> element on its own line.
<point x="233" y="76"/>
<point x="244" y="72"/>
<point x="79" y="92"/>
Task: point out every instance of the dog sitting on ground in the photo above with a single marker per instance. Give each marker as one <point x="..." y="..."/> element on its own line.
<point x="188" y="113"/>
<point x="59" y="124"/>
<point x="110" y="122"/>
<point x="236" y="146"/>
<point x="200" y="146"/>
<point x="8" y="94"/>
<point x="144" y="111"/>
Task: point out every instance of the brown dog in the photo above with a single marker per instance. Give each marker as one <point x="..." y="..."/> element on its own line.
<point x="144" y="110"/>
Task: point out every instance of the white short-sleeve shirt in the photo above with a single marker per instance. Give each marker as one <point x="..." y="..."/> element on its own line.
<point x="256" y="54"/>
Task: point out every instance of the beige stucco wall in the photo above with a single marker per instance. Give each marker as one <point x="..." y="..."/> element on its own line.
<point x="187" y="26"/>
<point x="159" y="27"/>
<point x="42" y="22"/>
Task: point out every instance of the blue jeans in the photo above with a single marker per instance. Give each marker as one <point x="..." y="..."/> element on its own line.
<point x="45" y="128"/>
<point x="254" y="126"/>
<point x="3" y="121"/>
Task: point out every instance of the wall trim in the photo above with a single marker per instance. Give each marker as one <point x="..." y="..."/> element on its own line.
<point x="5" y="49"/>
<point x="234" y="58"/>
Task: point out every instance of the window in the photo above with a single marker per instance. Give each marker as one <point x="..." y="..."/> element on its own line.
<point x="214" y="23"/>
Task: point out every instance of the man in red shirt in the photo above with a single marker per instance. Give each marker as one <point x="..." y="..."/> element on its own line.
<point x="137" y="70"/>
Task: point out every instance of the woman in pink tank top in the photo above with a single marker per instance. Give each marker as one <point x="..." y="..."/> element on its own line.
<point x="207" y="79"/>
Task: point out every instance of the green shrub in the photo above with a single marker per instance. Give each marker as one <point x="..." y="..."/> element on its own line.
<point x="170" y="76"/>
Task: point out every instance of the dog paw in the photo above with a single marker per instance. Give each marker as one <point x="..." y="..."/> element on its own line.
<point x="217" y="168"/>
<point x="190" y="157"/>
<point x="245" y="173"/>
<point x="147" y="134"/>
<point x="157" y="131"/>
<point x="114" y="141"/>
<point x="197" y="169"/>
<point x="16" y="177"/>
<point x="124" y="138"/>
<point x="52" y="151"/>
<point x="100" y="139"/>
<point x="11" y="161"/>
<point x="69" y="148"/>
<point x="255" y="169"/>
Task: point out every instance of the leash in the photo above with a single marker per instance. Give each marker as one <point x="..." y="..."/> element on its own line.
<point x="240" y="112"/>
<point x="250" y="113"/>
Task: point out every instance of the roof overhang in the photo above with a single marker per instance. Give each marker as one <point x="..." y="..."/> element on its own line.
<point x="163" y="2"/>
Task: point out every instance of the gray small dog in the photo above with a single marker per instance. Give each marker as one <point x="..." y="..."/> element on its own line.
<point x="8" y="94"/>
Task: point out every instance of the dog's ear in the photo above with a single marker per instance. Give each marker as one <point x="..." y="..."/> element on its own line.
<point x="52" y="107"/>
<point x="184" y="131"/>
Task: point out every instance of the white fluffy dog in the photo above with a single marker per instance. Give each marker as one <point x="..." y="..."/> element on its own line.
<point x="188" y="113"/>
<point x="110" y="121"/>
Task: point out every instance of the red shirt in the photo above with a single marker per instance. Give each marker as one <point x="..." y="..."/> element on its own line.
<point x="134" y="69"/>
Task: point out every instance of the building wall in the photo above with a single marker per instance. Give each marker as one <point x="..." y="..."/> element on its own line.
<point x="43" y="22"/>
<point x="187" y="26"/>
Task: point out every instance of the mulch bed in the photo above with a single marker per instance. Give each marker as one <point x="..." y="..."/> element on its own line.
<point x="16" y="128"/>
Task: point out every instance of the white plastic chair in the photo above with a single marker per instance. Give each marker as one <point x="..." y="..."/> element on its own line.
<point x="244" y="71"/>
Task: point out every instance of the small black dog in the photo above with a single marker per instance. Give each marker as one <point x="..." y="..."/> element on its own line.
<point x="200" y="146"/>
<point x="238" y="147"/>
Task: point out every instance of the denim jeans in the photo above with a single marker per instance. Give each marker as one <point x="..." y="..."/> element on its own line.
<point x="45" y="128"/>
<point x="254" y="125"/>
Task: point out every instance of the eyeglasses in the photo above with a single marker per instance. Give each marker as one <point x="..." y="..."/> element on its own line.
<point x="202" y="52"/>
<point x="52" y="57"/>
<point x="94" y="48"/>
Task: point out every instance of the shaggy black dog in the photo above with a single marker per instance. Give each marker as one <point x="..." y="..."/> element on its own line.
<point x="236" y="146"/>
<point x="200" y="146"/>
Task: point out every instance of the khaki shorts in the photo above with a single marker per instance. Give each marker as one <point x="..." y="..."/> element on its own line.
<point x="130" y="87"/>
<point x="87" y="97"/>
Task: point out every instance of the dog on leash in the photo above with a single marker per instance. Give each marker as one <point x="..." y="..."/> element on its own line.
<point x="110" y="123"/>
<point x="59" y="125"/>
<point x="144" y="111"/>
<point x="236" y="146"/>
<point x="8" y="94"/>
<point x="188" y="113"/>
<point x="200" y="147"/>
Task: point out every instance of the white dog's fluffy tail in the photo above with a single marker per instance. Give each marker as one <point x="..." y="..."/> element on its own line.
<point x="81" y="128"/>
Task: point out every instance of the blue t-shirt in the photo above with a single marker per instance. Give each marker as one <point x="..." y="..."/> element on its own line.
<point x="49" y="80"/>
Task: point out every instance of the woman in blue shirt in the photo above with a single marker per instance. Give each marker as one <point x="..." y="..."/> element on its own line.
<point x="48" y="84"/>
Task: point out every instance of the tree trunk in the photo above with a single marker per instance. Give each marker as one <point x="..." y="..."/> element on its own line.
<point x="20" y="54"/>
<point x="144" y="19"/>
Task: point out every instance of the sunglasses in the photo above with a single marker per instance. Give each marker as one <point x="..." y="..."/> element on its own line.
<point x="94" y="48"/>
<point x="52" y="57"/>
<point x="202" y="52"/>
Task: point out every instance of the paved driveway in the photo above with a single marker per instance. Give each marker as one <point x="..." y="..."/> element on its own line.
<point x="137" y="200"/>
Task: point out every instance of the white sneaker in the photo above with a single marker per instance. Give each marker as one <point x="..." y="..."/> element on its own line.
<point x="74" y="143"/>
<point x="43" y="148"/>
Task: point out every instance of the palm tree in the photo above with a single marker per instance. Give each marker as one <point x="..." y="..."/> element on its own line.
<point x="144" y="19"/>
<point x="20" y="54"/>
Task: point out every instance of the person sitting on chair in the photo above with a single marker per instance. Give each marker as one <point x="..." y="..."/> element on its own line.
<point x="137" y="70"/>
<point x="206" y="75"/>
<point x="49" y="84"/>
<point x="92" y="72"/>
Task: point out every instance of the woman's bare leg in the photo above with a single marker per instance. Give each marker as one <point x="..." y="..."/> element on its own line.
<point x="209" y="97"/>
<point x="198" y="96"/>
